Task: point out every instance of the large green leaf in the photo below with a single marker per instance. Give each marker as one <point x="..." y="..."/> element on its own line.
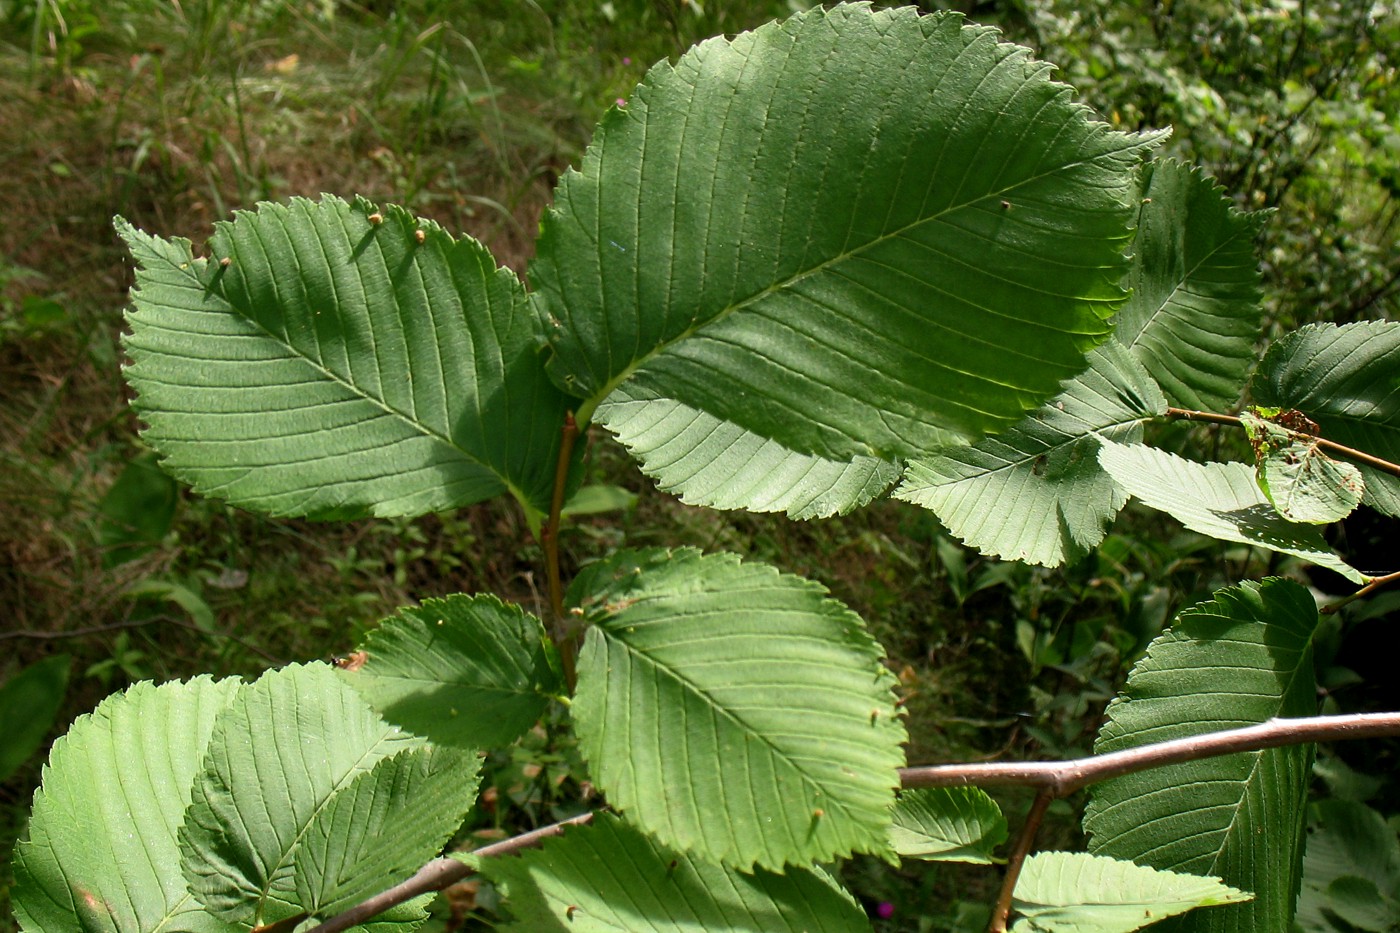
<point x="609" y="878"/>
<point x="465" y="670"/>
<point x="1194" y="313"/>
<point x="855" y="232"/>
<point x="101" y="853"/>
<point x="1075" y="892"/>
<point x="948" y="824"/>
<point x="277" y="757"/>
<point x="1242" y="658"/>
<point x="383" y="826"/>
<point x="1345" y="378"/>
<point x="718" y="464"/>
<point x="733" y="711"/>
<point x="1036" y="493"/>
<point x="337" y="366"/>
<point x="1217" y="499"/>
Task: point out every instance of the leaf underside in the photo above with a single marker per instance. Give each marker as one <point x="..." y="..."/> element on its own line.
<point x="1243" y="658"/>
<point x="608" y="877"/>
<point x="1343" y="378"/>
<point x="1075" y="892"/>
<point x="732" y="711"/>
<point x="1194" y="313"/>
<point x="102" y="853"/>
<point x="948" y="824"/>
<point x="721" y="245"/>
<point x="1036" y="492"/>
<point x="470" y="671"/>
<point x="1221" y="500"/>
<point x="337" y="367"/>
<point x="718" y="464"/>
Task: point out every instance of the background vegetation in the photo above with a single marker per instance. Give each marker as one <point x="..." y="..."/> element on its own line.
<point x="175" y="113"/>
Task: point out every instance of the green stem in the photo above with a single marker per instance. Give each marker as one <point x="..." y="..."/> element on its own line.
<point x="1332" y="447"/>
<point x="1375" y="584"/>
<point x="564" y="637"/>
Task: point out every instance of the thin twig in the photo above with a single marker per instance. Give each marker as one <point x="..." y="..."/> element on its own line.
<point x="1332" y="447"/>
<point x="439" y="874"/>
<point x="1002" y="909"/>
<point x="140" y="623"/>
<point x="1375" y="584"/>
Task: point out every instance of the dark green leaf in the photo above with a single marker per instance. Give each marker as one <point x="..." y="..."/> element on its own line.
<point x="29" y="702"/>
<point x="1351" y="870"/>
<point x="855" y="233"/>
<point x="136" y="512"/>
<point x="1243" y="658"/>
<point x="732" y="711"/>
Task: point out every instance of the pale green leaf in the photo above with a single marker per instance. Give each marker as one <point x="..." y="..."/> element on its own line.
<point x="609" y="878"/>
<point x="1351" y="870"/>
<point x="465" y="670"/>
<point x="277" y="756"/>
<point x="1242" y="658"/>
<point x="855" y="232"/>
<point x="714" y="463"/>
<point x="1346" y="379"/>
<point x="732" y="711"/>
<point x="1074" y="892"/>
<point x="1194" y="314"/>
<point x="1217" y="499"/>
<point x="1301" y="481"/>
<point x="1036" y="492"/>
<point x="948" y="824"/>
<point x="597" y="498"/>
<point x="384" y="826"/>
<point x="101" y="853"/>
<point x="337" y="367"/>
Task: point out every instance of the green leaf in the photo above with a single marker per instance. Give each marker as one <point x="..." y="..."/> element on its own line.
<point x="1344" y="378"/>
<point x="608" y="877"/>
<point x="732" y="711"/>
<point x="718" y="464"/>
<point x="278" y="755"/>
<point x="1036" y="492"/>
<point x="384" y="826"/>
<point x="948" y="824"/>
<point x="29" y="701"/>
<point x="465" y="670"/>
<point x="1301" y="481"/>
<point x="101" y="852"/>
<point x="597" y="499"/>
<point x="1221" y="500"/>
<point x="1074" y="892"/>
<point x="337" y="367"/>
<point x="1194" y="314"/>
<point x="136" y="513"/>
<point x="1351" y="870"/>
<point x="1242" y="658"/>
<point x="855" y="233"/>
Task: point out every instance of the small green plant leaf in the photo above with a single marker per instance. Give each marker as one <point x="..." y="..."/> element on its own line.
<point x="1222" y="500"/>
<point x="608" y="877"/>
<point x="1036" y="493"/>
<point x="597" y="498"/>
<point x="1194" y="313"/>
<point x="326" y="361"/>
<point x="383" y="826"/>
<point x="718" y="464"/>
<point x="1351" y="870"/>
<point x="1242" y="658"/>
<point x="278" y="755"/>
<point x="29" y="701"/>
<point x="1344" y="378"/>
<point x="136" y="513"/>
<point x="732" y="711"/>
<point x="101" y="852"/>
<point x="470" y="671"/>
<point x="948" y="824"/>
<point x="1302" y="482"/>
<point x="924" y="275"/>
<point x="1075" y="892"/>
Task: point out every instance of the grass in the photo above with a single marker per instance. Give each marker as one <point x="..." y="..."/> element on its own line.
<point x="466" y="111"/>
